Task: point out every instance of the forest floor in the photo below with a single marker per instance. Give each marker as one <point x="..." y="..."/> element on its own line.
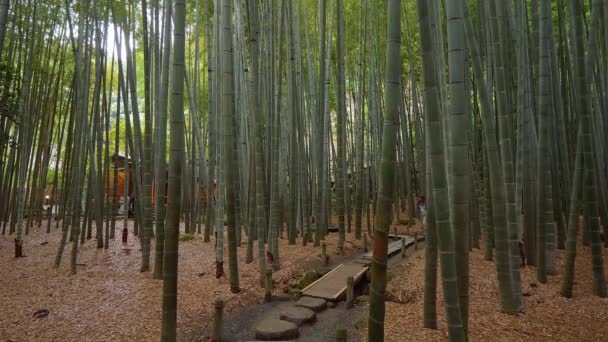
<point x="110" y="300"/>
<point x="547" y="317"/>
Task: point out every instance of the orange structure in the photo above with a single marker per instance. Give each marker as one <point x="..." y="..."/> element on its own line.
<point x="122" y="165"/>
<point x="119" y="165"/>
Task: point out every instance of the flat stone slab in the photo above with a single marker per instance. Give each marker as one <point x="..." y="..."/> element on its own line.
<point x="275" y="329"/>
<point x="314" y="304"/>
<point x="298" y="315"/>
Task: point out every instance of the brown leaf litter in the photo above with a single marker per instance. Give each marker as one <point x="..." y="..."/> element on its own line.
<point x="548" y="316"/>
<point x="110" y="300"/>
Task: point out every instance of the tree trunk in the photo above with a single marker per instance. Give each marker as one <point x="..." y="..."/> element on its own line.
<point x="389" y="142"/>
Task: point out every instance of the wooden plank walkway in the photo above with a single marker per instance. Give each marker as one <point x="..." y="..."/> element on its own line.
<point x="393" y="247"/>
<point x="333" y="285"/>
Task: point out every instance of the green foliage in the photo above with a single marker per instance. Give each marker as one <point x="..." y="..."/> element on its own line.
<point x="308" y="278"/>
<point x="185" y="237"/>
<point x="389" y="277"/>
<point x="8" y="98"/>
<point x="361" y="323"/>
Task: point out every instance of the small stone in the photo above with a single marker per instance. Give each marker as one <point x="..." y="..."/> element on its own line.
<point x="314" y="304"/>
<point x="298" y="315"/>
<point x="41" y="313"/>
<point x="275" y="329"/>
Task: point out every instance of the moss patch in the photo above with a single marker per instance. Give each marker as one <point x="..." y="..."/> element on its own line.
<point x="361" y="300"/>
<point x="186" y="237"/>
<point x="361" y="323"/>
<point x="295" y="294"/>
<point x="308" y="278"/>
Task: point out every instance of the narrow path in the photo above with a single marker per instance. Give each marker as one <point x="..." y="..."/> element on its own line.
<point x="242" y="325"/>
<point x="332" y="286"/>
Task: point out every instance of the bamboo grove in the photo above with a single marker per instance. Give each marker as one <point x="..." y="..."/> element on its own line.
<point x="271" y="120"/>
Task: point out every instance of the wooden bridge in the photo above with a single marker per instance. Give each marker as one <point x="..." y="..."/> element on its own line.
<point x="332" y="286"/>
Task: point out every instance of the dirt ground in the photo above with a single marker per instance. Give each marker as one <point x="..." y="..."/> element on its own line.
<point x="110" y="300"/>
<point x="547" y="317"/>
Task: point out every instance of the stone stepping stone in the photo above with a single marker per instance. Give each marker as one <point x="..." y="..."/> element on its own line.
<point x="298" y="315"/>
<point x="314" y="304"/>
<point x="275" y="330"/>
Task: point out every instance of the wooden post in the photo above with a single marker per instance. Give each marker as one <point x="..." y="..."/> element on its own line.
<point x="365" y="242"/>
<point x="324" y="252"/>
<point x="268" y="285"/>
<point x="396" y="236"/>
<point x="341" y="335"/>
<point x="416" y="240"/>
<point x="350" y="292"/>
<point x="218" y="321"/>
<point x="403" y="247"/>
